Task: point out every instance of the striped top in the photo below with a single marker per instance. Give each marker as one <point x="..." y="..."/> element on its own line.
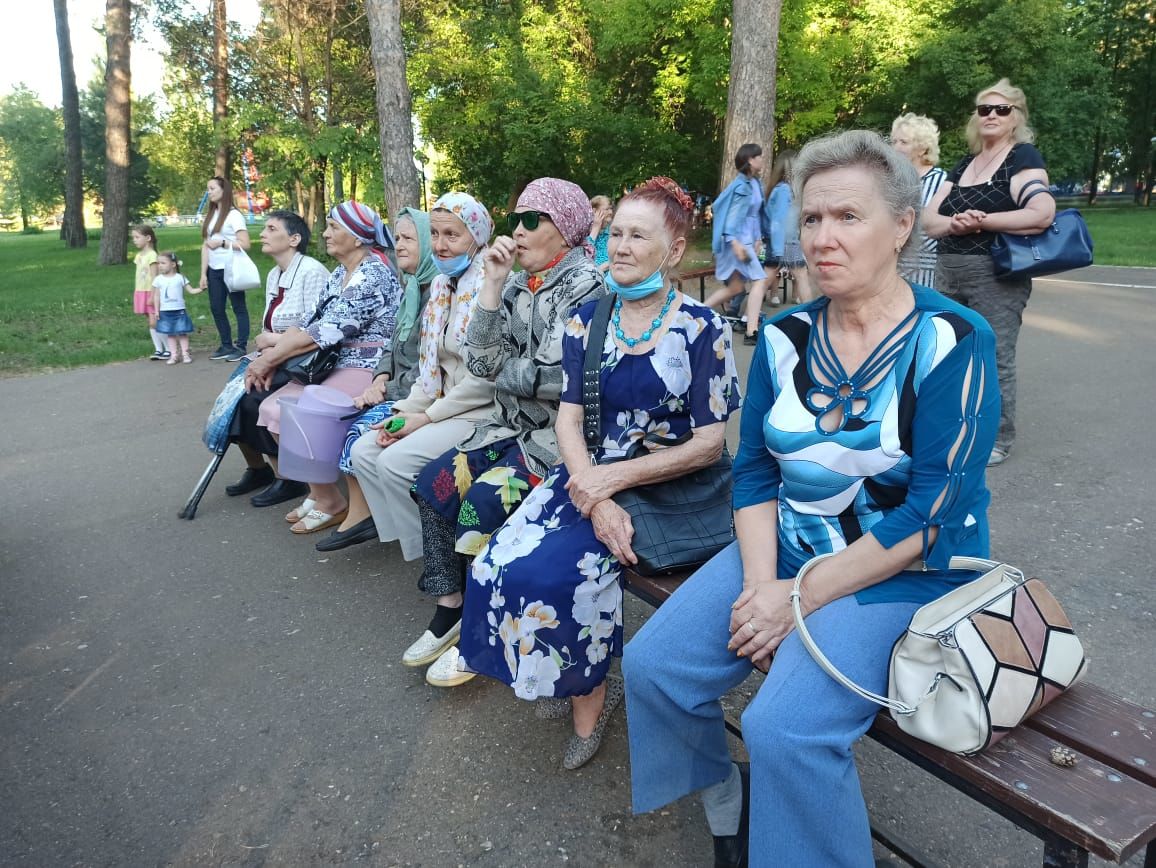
<point x="922" y="269"/>
<point x="909" y="452"/>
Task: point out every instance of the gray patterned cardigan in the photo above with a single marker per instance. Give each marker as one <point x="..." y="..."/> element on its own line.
<point x="519" y="347"/>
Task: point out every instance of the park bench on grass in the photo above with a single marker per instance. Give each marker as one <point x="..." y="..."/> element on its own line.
<point x="1105" y="804"/>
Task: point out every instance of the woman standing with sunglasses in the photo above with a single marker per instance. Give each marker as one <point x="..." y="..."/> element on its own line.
<point x="1002" y="186"/>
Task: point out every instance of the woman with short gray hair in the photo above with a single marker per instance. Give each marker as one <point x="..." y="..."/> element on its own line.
<point x="869" y="414"/>
<point x="917" y="138"/>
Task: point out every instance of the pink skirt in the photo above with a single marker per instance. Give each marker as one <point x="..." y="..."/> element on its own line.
<point x="142" y="302"/>
<point x="351" y="381"/>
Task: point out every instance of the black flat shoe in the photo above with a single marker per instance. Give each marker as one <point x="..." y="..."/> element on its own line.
<point x="280" y="491"/>
<point x="750" y="340"/>
<point x="251" y="480"/>
<point x="731" y="851"/>
<point x="364" y="531"/>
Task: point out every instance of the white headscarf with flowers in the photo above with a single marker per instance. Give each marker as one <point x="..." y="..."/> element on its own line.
<point x="435" y="317"/>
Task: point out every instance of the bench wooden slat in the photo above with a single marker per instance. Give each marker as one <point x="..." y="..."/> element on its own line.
<point x="1110" y="814"/>
<point x="1112" y="730"/>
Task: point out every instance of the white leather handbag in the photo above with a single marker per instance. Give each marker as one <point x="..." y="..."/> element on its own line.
<point x="975" y="663"/>
<point x="241" y="273"/>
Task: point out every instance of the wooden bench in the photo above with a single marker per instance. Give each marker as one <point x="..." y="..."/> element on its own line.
<point x="1104" y="805"/>
<point x="700" y="275"/>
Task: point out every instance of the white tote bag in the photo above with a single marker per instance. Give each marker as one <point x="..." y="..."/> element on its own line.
<point x="241" y="272"/>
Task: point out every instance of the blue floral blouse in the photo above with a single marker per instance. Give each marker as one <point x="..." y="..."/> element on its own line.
<point x="688" y="380"/>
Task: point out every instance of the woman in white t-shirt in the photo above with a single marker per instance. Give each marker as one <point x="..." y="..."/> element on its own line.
<point x="224" y="231"/>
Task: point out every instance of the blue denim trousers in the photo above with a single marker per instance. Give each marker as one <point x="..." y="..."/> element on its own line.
<point x="807" y="809"/>
<point x="218" y="295"/>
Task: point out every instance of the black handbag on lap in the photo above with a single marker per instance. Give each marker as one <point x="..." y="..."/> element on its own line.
<point x="310" y="368"/>
<point x="681" y="523"/>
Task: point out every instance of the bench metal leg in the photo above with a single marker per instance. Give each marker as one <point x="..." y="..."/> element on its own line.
<point x="1059" y="853"/>
<point x="1150" y="855"/>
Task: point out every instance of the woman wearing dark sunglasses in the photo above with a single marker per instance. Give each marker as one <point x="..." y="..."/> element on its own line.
<point x="514" y="340"/>
<point x="1002" y="186"/>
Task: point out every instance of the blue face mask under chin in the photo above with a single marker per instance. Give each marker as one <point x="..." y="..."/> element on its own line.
<point x="643" y="288"/>
<point x="453" y="266"/>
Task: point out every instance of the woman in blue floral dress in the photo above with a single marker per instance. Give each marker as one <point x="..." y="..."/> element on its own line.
<point x="543" y="605"/>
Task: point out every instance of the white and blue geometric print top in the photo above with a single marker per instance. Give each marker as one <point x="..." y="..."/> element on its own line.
<point x="894" y="448"/>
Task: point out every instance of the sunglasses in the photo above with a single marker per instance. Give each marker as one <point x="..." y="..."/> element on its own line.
<point x="1002" y="110"/>
<point x="529" y="219"/>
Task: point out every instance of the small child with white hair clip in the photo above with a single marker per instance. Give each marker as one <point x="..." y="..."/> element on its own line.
<point x="169" y="300"/>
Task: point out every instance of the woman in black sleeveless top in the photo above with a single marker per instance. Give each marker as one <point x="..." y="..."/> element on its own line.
<point x="1002" y="186"/>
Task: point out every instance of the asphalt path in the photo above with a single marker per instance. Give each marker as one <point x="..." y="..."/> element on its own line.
<point x="216" y="692"/>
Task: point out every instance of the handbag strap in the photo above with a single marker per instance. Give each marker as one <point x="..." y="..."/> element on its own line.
<point x="1026" y="196"/>
<point x="957" y="563"/>
<point x="319" y="311"/>
<point x="591" y="372"/>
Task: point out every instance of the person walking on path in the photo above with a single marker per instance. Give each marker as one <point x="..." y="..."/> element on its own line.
<point x="737" y="228"/>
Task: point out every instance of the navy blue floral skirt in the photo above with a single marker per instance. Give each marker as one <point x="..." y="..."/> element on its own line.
<point x="477" y="490"/>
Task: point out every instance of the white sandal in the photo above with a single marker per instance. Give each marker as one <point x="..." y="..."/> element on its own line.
<point x="299" y="512"/>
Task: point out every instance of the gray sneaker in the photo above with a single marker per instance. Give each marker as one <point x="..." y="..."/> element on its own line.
<point x="236" y="355"/>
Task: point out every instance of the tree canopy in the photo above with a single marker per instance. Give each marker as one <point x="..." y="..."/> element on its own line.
<point x="603" y="92"/>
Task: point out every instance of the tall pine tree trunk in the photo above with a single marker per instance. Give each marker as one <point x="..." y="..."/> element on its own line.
<point x="751" y="95"/>
<point x="221" y="88"/>
<point x="118" y="118"/>
<point x="72" y="228"/>
<point x="394" y="107"/>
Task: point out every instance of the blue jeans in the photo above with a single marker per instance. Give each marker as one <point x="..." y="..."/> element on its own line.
<point x="218" y="294"/>
<point x="807" y="809"/>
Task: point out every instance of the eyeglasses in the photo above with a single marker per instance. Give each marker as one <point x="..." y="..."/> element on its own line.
<point x="1002" y="110"/>
<point x="529" y="219"/>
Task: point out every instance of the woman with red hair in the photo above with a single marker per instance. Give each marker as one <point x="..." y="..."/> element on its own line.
<point x="543" y="602"/>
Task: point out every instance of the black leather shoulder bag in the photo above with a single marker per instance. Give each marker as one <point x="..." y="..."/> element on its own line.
<point x="681" y="523"/>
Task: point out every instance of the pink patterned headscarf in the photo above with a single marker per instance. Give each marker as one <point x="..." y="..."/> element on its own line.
<point x="564" y="201"/>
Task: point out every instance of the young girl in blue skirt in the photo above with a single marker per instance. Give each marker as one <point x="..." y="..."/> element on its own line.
<point x="169" y="300"/>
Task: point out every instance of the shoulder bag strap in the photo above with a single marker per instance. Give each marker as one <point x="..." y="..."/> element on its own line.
<point x="319" y="311"/>
<point x="591" y="372"/>
<point x="957" y="563"/>
<point x="1026" y="196"/>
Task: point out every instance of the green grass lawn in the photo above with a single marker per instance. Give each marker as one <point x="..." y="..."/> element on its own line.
<point x="60" y="309"/>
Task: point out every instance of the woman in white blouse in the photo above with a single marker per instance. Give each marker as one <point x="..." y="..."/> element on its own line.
<point x="223" y="232"/>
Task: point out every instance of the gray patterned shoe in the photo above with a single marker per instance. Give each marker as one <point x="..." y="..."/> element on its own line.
<point x="580" y="751"/>
<point x="552" y="707"/>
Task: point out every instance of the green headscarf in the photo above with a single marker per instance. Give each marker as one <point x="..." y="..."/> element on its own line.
<point x="410" y="307"/>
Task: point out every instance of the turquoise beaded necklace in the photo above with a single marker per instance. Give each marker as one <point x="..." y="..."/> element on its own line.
<point x="654" y="323"/>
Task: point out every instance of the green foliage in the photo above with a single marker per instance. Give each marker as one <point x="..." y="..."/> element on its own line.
<point x="31" y="155"/>
<point x="58" y="311"/>
<point x="142" y="187"/>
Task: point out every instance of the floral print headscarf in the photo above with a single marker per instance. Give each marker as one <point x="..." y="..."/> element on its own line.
<point x="434" y="324"/>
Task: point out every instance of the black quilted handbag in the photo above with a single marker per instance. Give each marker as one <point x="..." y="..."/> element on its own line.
<point x="313" y="366"/>
<point x="681" y="523"/>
